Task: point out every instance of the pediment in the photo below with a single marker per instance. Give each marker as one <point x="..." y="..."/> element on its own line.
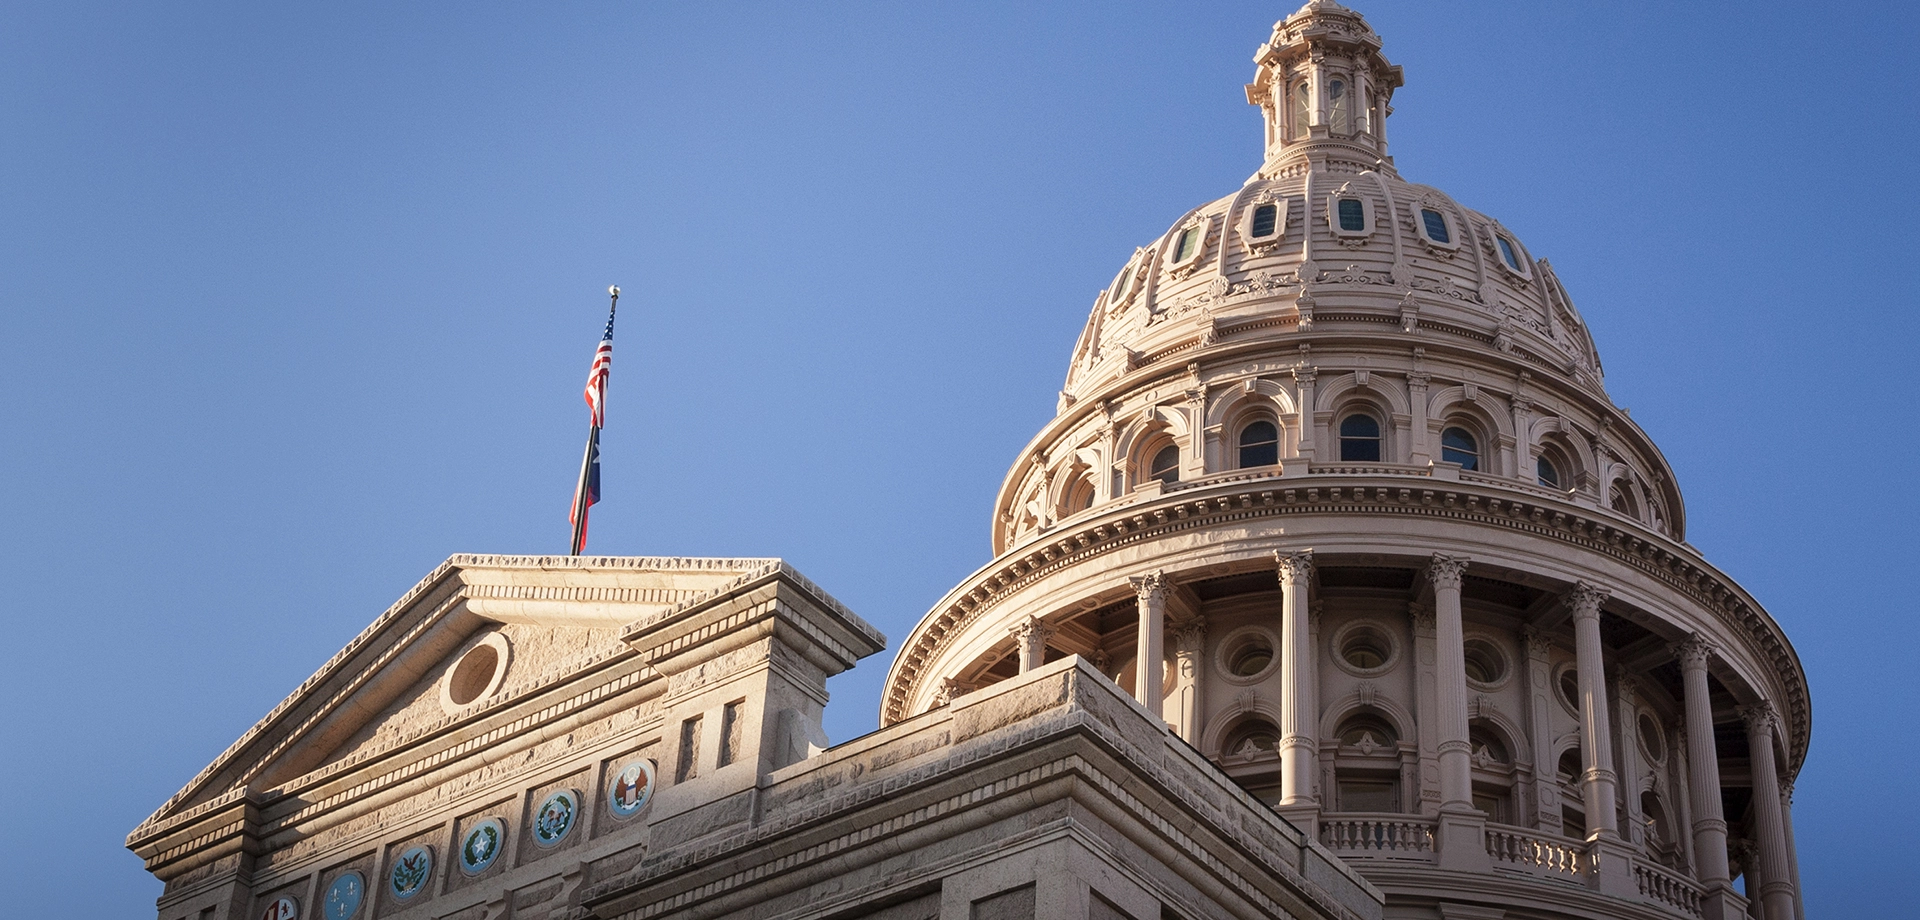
<point x="420" y="668"/>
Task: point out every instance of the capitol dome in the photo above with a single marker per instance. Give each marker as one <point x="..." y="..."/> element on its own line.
<point x="1335" y="489"/>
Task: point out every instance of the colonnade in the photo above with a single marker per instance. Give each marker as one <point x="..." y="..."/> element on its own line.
<point x="1770" y="873"/>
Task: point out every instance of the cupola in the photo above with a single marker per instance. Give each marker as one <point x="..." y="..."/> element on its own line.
<point x="1324" y="87"/>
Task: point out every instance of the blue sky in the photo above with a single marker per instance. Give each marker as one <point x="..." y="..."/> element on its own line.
<point x="294" y="303"/>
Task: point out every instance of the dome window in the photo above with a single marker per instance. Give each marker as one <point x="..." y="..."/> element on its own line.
<point x="1259" y="444"/>
<point x="1264" y="222"/>
<point x="1188" y="246"/>
<point x="1436" y="229"/>
<point x="1302" y="108"/>
<point x="1166" y="465"/>
<point x="1351" y="216"/>
<point x="1122" y="287"/>
<point x="1457" y="445"/>
<point x="1360" y="439"/>
<point x="1510" y="255"/>
<point x="1547" y="474"/>
<point x="1339" y="107"/>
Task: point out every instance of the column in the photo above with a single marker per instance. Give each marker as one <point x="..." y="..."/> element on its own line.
<point x="1030" y="637"/>
<point x="1770" y="833"/>
<point x="1426" y="711"/>
<point x="1150" y="647"/>
<point x="1539" y="672"/>
<point x="1596" y="736"/>
<point x="1299" y="726"/>
<point x="1303" y="377"/>
<point x="1418" y="451"/>
<point x="1456" y="755"/>
<point x="1627" y="759"/>
<point x="1793" y="858"/>
<point x="1703" y="767"/>
<point x="1189" y="643"/>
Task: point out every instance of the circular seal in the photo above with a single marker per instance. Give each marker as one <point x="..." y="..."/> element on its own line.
<point x="481" y="846"/>
<point x="410" y="872"/>
<point x="282" y="909"/>
<point x="342" y="901"/>
<point x="631" y="788"/>
<point x="555" y="818"/>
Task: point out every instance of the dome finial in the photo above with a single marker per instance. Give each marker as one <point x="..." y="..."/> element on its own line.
<point x="1324" y="86"/>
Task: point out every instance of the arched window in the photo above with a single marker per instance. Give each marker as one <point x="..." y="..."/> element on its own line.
<point x="1368" y="787"/>
<point x="1368" y="730"/>
<point x="1360" y="439"/>
<point x="1254" y="738"/>
<point x="1302" y="108"/>
<point x="1079" y="496"/>
<point x="1457" y="445"/>
<point x="1166" y="465"/>
<point x="1339" y="107"/>
<point x="1548" y="474"/>
<point x="1259" y="444"/>
<point x="1620" y="499"/>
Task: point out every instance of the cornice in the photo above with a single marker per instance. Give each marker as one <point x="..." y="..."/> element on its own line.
<point x="1233" y="499"/>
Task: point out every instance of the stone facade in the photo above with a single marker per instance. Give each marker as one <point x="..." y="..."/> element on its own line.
<point x="1337" y="588"/>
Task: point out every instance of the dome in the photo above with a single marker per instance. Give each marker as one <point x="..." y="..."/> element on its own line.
<point x="1334" y="490"/>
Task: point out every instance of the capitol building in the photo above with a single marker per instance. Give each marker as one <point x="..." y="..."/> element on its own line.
<point x="1337" y="587"/>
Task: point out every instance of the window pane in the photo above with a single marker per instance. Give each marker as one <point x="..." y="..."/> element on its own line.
<point x="1369" y="795"/>
<point x="1549" y="476"/>
<point x="1353" y="215"/>
<point x="1189" y="239"/>
<point x="1506" y="253"/>
<point x="1337" y="107"/>
<point x="1359" y="426"/>
<point x="1360" y="439"/>
<point x="1259" y="445"/>
<point x="1436" y="226"/>
<point x="1166" y="465"/>
<point x="1457" y="446"/>
<point x="1264" y="217"/>
<point x="1301" y="95"/>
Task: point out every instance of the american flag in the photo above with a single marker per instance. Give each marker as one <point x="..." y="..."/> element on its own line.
<point x="587" y="492"/>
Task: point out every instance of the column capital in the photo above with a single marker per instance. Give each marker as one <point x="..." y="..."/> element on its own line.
<point x="1694" y="652"/>
<point x="1190" y="637"/>
<point x="1422" y="615"/>
<point x="1759" y="718"/>
<point x="1537" y="642"/>
<point x="1295" y="566"/>
<point x="1445" y="571"/>
<point x="1150" y="588"/>
<point x="1585" y="598"/>
<point x="1031" y="628"/>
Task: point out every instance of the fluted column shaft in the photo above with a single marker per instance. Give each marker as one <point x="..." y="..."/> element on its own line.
<point x="1703" y="766"/>
<point x="1149" y="660"/>
<point x="1776" y="879"/>
<point x="1450" y="672"/>
<point x="1298" y="720"/>
<point x="1596" y="735"/>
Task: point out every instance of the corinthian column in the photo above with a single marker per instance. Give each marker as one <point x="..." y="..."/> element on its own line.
<point x="1776" y="879"/>
<point x="1189" y="642"/>
<point x="1030" y="637"/>
<point x="1150" y="649"/>
<point x="1298" y="714"/>
<point x="1703" y="766"/>
<point x="1596" y="736"/>
<point x="1456" y="755"/>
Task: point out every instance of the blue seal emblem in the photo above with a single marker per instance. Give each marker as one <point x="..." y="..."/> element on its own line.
<point x="342" y="900"/>
<point x="481" y="846"/>
<point x="555" y="818"/>
<point x="631" y="788"/>
<point x="410" y="872"/>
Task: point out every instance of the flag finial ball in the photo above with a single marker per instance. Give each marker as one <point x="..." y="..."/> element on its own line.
<point x="613" y="289"/>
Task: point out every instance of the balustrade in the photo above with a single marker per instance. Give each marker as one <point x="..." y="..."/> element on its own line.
<point x="1387" y="835"/>
<point x="1540" y="855"/>
<point x="1667" y="887"/>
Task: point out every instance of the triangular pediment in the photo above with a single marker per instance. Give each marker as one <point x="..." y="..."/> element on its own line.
<point x="419" y="667"/>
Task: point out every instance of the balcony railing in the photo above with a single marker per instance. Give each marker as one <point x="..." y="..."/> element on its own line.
<point x="1547" y="857"/>
<point x="1379" y="836"/>
<point x="1667" y="887"/>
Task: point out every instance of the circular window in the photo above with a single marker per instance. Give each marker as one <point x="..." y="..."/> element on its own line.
<point x="1365" y="648"/>
<point x="1652" y="739"/>
<point x="1568" y="684"/>
<point x="1246" y="655"/>
<point x="1486" y="666"/>
<point x="477" y="673"/>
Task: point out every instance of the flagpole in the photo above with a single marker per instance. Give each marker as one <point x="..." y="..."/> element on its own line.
<point x="582" y="497"/>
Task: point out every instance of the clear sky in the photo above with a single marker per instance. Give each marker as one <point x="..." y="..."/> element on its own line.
<point x="294" y="303"/>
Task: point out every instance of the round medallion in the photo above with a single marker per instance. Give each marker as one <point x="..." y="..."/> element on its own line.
<point x="410" y="872"/>
<point x="342" y="901"/>
<point x="631" y="788"/>
<point x="554" y="820"/>
<point x="481" y="846"/>
<point x="282" y="909"/>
